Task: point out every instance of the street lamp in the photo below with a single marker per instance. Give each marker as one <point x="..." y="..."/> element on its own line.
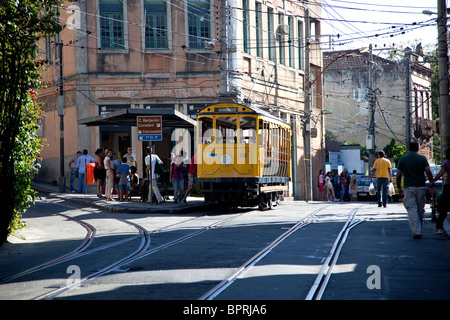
<point x="428" y="12"/>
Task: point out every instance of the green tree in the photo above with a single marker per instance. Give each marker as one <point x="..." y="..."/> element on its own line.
<point x="22" y="24"/>
<point x="394" y="151"/>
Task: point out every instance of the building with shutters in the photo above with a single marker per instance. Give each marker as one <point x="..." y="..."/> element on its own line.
<point x="179" y="55"/>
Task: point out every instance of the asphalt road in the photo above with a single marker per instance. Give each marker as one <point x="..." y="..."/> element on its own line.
<point x="115" y="256"/>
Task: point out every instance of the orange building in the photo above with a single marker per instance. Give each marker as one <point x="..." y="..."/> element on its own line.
<point x="178" y="56"/>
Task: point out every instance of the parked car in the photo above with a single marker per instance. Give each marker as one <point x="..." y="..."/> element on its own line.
<point x="362" y="188"/>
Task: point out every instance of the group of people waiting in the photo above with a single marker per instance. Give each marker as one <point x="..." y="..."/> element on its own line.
<point x="119" y="173"/>
<point x="175" y="176"/>
<point x="111" y="174"/>
<point x="339" y="188"/>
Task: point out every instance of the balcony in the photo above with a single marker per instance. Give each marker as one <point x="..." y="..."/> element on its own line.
<point x="425" y="128"/>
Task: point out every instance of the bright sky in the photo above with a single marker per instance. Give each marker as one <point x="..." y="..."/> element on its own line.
<point x="358" y="21"/>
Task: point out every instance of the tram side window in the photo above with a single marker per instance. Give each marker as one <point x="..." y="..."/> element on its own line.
<point x="226" y="129"/>
<point x="248" y="130"/>
<point x="206" y="130"/>
<point x="261" y="133"/>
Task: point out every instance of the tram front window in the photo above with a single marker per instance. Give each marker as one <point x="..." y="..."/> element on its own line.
<point x="226" y="129"/>
<point x="206" y="130"/>
<point x="248" y="130"/>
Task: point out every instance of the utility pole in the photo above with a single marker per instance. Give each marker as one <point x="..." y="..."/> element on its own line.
<point x="307" y="131"/>
<point x="224" y="83"/>
<point x="60" y="102"/>
<point x="408" y="97"/>
<point x="444" y="112"/>
<point x="372" y="103"/>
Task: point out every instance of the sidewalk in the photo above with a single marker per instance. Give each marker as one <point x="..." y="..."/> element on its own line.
<point x="135" y="206"/>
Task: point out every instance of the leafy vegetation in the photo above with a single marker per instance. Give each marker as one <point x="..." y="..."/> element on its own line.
<point x="22" y="24"/>
<point x="394" y="151"/>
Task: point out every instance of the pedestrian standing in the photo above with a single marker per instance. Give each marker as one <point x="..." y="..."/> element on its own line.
<point x="321" y="185"/>
<point x="330" y="187"/>
<point x="81" y="163"/>
<point x="192" y="176"/>
<point x="176" y="177"/>
<point x="352" y="187"/>
<point x="413" y="166"/>
<point x="382" y="168"/>
<point x="122" y="186"/>
<point x="444" y="204"/>
<point x="99" y="171"/>
<point x="109" y="175"/>
<point x="131" y="157"/>
<point x="343" y="183"/>
<point x="150" y="162"/>
<point x="73" y="170"/>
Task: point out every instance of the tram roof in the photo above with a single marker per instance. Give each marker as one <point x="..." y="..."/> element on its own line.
<point x="255" y="109"/>
<point x="171" y="118"/>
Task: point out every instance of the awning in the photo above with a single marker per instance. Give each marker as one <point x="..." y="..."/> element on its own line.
<point x="171" y="118"/>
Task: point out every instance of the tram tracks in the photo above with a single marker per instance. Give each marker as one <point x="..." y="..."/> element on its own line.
<point x="82" y="249"/>
<point x="321" y="281"/>
<point x="140" y="252"/>
<point x="214" y="292"/>
<point x="89" y="238"/>
<point x="144" y="249"/>
<point x="317" y="289"/>
<point x="144" y="244"/>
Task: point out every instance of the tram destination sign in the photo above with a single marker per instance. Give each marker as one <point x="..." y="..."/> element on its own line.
<point x="149" y="128"/>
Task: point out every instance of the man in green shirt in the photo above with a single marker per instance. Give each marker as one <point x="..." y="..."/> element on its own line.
<point x="413" y="166"/>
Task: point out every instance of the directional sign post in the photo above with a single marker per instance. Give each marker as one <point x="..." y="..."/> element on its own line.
<point x="149" y="128"/>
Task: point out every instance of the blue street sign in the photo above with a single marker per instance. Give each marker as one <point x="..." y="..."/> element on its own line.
<point x="149" y="137"/>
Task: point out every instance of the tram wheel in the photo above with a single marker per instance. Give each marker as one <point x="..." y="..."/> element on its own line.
<point x="265" y="202"/>
<point x="260" y="203"/>
<point x="276" y="199"/>
<point x="269" y="203"/>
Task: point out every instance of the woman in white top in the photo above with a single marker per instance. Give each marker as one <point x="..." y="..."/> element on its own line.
<point x="329" y="186"/>
<point x="109" y="175"/>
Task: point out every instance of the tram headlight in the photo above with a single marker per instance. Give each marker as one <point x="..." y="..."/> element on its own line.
<point x="226" y="159"/>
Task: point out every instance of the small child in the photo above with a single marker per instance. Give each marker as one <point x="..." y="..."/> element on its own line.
<point x="134" y="178"/>
<point x="122" y="187"/>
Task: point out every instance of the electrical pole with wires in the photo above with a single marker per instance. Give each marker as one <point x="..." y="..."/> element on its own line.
<point x="307" y="130"/>
<point x="444" y="112"/>
<point x="408" y="97"/>
<point x="372" y="102"/>
<point x="60" y="102"/>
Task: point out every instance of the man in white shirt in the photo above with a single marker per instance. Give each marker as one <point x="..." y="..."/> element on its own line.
<point x="73" y="170"/>
<point x="131" y="158"/>
<point x="81" y="163"/>
<point x="154" y="176"/>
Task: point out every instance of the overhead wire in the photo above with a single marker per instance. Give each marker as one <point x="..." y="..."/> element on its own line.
<point x="141" y="24"/>
<point x="295" y="39"/>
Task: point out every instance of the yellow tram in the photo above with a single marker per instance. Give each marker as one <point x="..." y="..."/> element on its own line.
<point x="243" y="155"/>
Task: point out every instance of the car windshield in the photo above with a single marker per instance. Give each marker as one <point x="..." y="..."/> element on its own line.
<point x="394" y="172"/>
<point x="434" y="171"/>
<point x="365" y="182"/>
